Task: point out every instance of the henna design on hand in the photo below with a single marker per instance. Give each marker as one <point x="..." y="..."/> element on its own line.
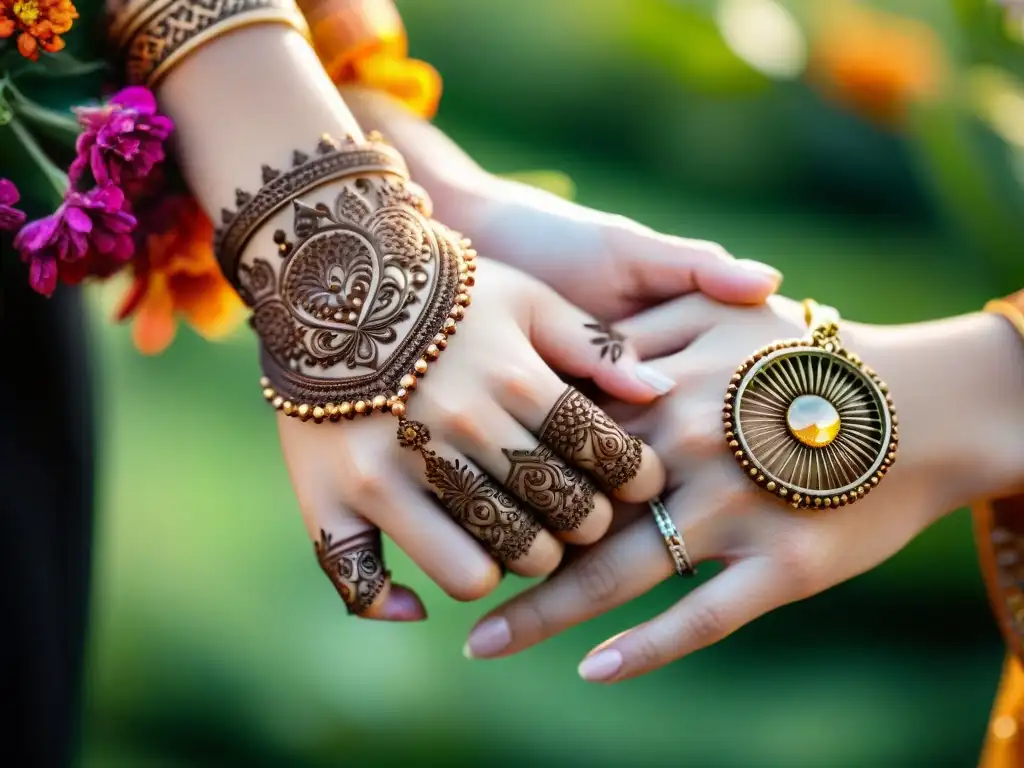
<point x="584" y="435"/>
<point x="477" y="503"/>
<point x="354" y="288"/>
<point x="612" y="342"/>
<point x="564" y="495"/>
<point x="355" y="567"/>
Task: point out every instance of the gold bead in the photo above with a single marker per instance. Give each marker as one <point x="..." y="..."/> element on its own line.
<point x="398" y="409"/>
<point x="771" y="485"/>
<point x="277" y="402"/>
<point x="304" y="411"/>
<point x="288" y="407"/>
<point x="471" y="266"/>
<point x="268" y="393"/>
<point x="469" y="281"/>
<point x="345" y="409"/>
<point x="432" y="352"/>
<point x="462" y="299"/>
<point x="331" y="410"/>
<point x="264" y="381"/>
<point x="440" y="338"/>
<point x="379" y="402"/>
<point x="457" y="312"/>
<point x="449" y="326"/>
<point x="420" y="366"/>
<point x="361" y="406"/>
<point x="408" y="382"/>
<point x="318" y="413"/>
<point x="402" y="394"/>
<point x="443" y="343"/>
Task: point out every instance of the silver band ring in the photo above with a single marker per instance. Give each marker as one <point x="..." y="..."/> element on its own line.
<point x="673" y="540"/>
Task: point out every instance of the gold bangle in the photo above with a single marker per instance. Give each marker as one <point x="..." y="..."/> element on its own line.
<point x="809" y="422"/>
<point x="1012" y="308"/>
<point x="154" y="36"/>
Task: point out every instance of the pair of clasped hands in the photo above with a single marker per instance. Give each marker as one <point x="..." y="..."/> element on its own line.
<point x="552" y="278"/>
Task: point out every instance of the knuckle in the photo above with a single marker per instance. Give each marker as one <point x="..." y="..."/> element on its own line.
<point x="705" y="624"/>
<point x="474" y="583"/>
<point x="598" y="580"/>
<point x="798" y="555"/>
<point x="365" y="488"/>
<point x="645" y="651"/>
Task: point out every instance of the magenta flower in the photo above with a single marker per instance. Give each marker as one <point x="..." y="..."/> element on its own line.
<point x="11" y="218"/>
<point x="89" y="235"/>
<point x="122" y="140"/>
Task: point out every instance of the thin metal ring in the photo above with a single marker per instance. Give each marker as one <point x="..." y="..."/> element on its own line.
<point x="673" y="539"/>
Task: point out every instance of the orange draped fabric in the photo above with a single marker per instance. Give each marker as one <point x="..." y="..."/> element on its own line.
<point x="364" y="42"/>
<point x="999" y="532"/>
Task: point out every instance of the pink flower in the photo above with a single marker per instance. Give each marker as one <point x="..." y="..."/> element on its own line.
<point x="11" y="218"/>
<point x="89" y="235"/>
<point x="122" y="140"/>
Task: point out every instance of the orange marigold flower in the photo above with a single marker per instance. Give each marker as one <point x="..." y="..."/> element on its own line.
<point x="40" y="24"/>
<point x="876" y="63"/>
<point x="176" y="273"/>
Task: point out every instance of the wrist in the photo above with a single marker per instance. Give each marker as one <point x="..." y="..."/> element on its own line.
<point x="958" y="386"/>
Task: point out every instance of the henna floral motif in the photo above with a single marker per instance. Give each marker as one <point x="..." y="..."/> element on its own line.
<point x="354" y="566"/>
<point x="606" y="337"/>
<point x="475" y="501"/>
<point x="353" y="287"/>
<point x="565" y="496"/>
<point x="582" y="434"/>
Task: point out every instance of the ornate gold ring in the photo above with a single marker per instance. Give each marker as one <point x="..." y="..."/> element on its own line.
<point x="808" y="421"/>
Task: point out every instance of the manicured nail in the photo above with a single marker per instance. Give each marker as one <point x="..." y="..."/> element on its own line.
<point x="488" y="638"/>
<point x="759" y="268"/>
<point x="602" y="665"/>
<point x="402" y="605"/>
<point x="654" y="379"/>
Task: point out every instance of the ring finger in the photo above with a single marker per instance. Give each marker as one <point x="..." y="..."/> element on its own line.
<point x="482" y="507"/>
<point x="613" y="572"/>
<point x="561" y="497"/>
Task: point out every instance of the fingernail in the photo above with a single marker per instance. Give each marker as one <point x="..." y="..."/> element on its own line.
<point x="402" y="605"/>
<point x="488" y="638"/>
<point x="654" y="379"/>
<point x="603" y="665"/>
<point x="759" y="268"/>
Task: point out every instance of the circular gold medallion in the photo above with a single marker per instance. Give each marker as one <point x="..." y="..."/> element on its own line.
<point x="810" y="424"/>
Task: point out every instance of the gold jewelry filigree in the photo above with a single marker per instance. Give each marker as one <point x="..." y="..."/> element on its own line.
<point x="808" y="421"/>
<point x="154" y="36"/>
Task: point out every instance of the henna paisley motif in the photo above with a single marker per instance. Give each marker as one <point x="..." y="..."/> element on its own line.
<point x="583" y="435"/>
<point x="481" y="507"/>
<point x="565" y="496"/>
<point x="475" y="501"/>
<point x="354" y="566"/>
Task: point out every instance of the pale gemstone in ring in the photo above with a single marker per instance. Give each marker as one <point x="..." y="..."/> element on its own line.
<point x="813" y="420"/>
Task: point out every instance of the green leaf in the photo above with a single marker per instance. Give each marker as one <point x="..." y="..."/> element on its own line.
<point x="56" y="181"/>
<point x="62" y="65"/>
<point x="57" y="125"/>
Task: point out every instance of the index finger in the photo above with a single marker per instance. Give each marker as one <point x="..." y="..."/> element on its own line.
<point x="619" y="569"/>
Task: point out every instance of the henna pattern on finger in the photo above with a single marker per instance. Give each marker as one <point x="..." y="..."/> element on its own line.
<point x="565" y="496"/>
<point x="476" y="502"/>
<point x="584" y="435"/>
<point x="612" y="342"/>
<point x="354" y="566"/>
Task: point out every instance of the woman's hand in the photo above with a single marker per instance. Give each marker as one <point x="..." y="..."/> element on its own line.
<point x="510" y="489"/>
<point x="607" y="265"/>
<point x="958" y="386"/>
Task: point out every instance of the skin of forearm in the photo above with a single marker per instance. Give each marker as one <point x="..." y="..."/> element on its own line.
<point x="248" y="98"/>
<point x="958" y="386"/>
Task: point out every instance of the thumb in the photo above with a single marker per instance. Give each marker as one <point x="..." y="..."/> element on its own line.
<point x="660" y="266"/>
<point x="579" y="346"/>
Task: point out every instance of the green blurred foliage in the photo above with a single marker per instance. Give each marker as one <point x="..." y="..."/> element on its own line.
<point x="217" y="642"/>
